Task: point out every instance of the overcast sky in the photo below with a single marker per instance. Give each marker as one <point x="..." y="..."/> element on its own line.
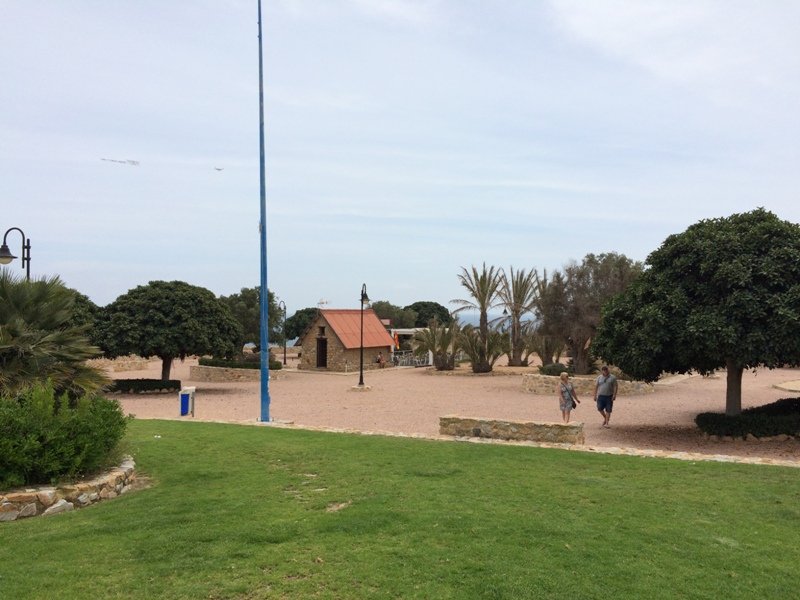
<point x="405" y="139"/>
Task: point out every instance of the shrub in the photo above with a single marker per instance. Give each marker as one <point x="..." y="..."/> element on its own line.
<point x="554" y="369"/>
<point x="143" y="386"/>
<point x="274" y="365"/>
<point x="43" y="438"/>
<point x="777" y="418"/>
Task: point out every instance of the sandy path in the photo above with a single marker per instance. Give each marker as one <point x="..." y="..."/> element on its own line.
<point x="412" y="400"/>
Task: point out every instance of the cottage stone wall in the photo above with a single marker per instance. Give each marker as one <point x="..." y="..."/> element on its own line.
<point x="545" y="385"/>
<point x="31" y="502"/>
<point x="557" y="433"/>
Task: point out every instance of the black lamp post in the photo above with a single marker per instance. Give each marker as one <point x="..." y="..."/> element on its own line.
<point x="282" y="306"/>
<point x="364" y="300"/>
<point x="6" y="256"/>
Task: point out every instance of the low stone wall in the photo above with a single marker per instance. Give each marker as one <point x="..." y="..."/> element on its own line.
<point x="222" y="374"/>
<point x="123" y="363"/>
<point x="31" y="502"/>
<point x="557" y="433"/>
<point x="545" y="385"/>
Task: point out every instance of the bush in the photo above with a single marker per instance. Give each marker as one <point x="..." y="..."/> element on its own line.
<point x="143" y="386"/>
<point x="554" y="369"/>
<point x="274" y="365"/>
<point x="44" y="439"/>
<point x="777" y="418"/>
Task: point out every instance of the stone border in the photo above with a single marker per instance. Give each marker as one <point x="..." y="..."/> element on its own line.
<point x="545" y="385"/>
<point x="534" y="431"/>
<point x="50" y="500"/>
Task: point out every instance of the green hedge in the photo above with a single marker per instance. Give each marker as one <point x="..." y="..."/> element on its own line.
<point x="274" y="365"/>
<point x="141" y="386"/>
<point x="781" y="417"/>
<point x="43" y="439"/>
<point x="554" y="369"/>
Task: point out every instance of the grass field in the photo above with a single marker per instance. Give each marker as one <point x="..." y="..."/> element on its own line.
<point x="247" y="512"/>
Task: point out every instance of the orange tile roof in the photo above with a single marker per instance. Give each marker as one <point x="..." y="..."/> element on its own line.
<point x="346" y="323"/>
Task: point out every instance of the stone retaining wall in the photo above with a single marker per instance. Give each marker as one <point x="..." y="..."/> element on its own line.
<point x="124" y="363"/>
<point x="223" y="374"/>
<point x="558" y="433"/>
<point x="49" y="500"/>
<point x="545" y="385"/>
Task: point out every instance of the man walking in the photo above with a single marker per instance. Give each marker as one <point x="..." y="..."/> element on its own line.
<point x="605" y="392"/>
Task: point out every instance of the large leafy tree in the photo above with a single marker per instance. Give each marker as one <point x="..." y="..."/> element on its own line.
<point x="483" y="287"/>
<point x="299" y="321"/>
<point x="169" y="319"/>
<point x="246" y="308"/>
<point x="588" y="286"/>
<point x="427" y="311"/>
<point x="518" y="293"/>
<point x="39" y="340"/>
<point x="400" y="317"/>
<point x="725" y="293"/>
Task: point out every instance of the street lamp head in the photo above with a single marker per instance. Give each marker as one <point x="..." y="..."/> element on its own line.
<point x="364" y="297"/>
<point x="5" y="255"/>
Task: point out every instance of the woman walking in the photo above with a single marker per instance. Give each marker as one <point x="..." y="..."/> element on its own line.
<point x="567" y="398"/>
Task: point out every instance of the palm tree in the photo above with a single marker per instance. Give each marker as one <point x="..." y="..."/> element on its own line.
<point x="483" y="288"/>
<point x="518" y="294"/>
<point x="442" y="341"/>
<point x="37" y="341"/>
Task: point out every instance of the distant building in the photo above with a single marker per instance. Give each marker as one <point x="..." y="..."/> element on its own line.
<point x="333" y="341"/>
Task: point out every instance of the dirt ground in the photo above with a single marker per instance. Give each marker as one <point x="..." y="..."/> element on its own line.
<point x="410" y="401"/>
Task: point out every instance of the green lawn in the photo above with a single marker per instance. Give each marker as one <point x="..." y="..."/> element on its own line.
<point x="243" y="512"/>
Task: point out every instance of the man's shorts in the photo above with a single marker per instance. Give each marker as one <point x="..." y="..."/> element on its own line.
<point x="605" y="403"/>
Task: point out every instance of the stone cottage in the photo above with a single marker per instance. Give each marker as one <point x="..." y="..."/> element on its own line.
<point x="333" y="341"/>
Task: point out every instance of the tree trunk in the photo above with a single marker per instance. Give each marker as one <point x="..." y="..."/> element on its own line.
<point x="580" y="358"/>
<point x="166" y="365"/>
<point x="733" y="391"/>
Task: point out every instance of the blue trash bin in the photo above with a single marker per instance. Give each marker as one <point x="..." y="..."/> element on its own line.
<point x="187" y="401"/>
<point x="184" y="403"/>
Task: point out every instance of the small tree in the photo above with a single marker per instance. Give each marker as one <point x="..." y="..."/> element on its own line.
<point x="442" y="340"/>
<point x="550" y="334"/>
<point x="588" y="286"/>
<point x="39" y="341"/>
<point x="483" y="288"/>
<point x="482" y="353"/>
<point x="169" y="319"/>
<point x="724" y="293"/>
<point x="518" y="294"/>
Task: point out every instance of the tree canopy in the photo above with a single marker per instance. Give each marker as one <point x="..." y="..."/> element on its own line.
<point x="723" y="294"/>
<point x="400" y="317"/>
<point x="169" y="319"/>
<point x="299" y="321"/>
<point x="427" y="311"/>
<point x="246" y="309"/>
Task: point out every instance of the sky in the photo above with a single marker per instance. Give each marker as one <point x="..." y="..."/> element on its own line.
<point x="405" y="140"/>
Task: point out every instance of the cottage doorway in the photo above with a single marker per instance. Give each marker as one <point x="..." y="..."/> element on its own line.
<point x="322" y="353"/>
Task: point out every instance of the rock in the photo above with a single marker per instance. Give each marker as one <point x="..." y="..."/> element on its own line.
<point x="47" y="496"/>
<point x="59" y="507"/>
<point x="751" y="438"/>
<point x="83" y="500"/>
<point x="21" y="497"/>
<point x="29" y="510"/>
<point x="8" y="511"/>
<point x="107" y="493"/>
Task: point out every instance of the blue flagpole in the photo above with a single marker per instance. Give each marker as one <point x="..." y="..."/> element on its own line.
<point x="264" y="306"/>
